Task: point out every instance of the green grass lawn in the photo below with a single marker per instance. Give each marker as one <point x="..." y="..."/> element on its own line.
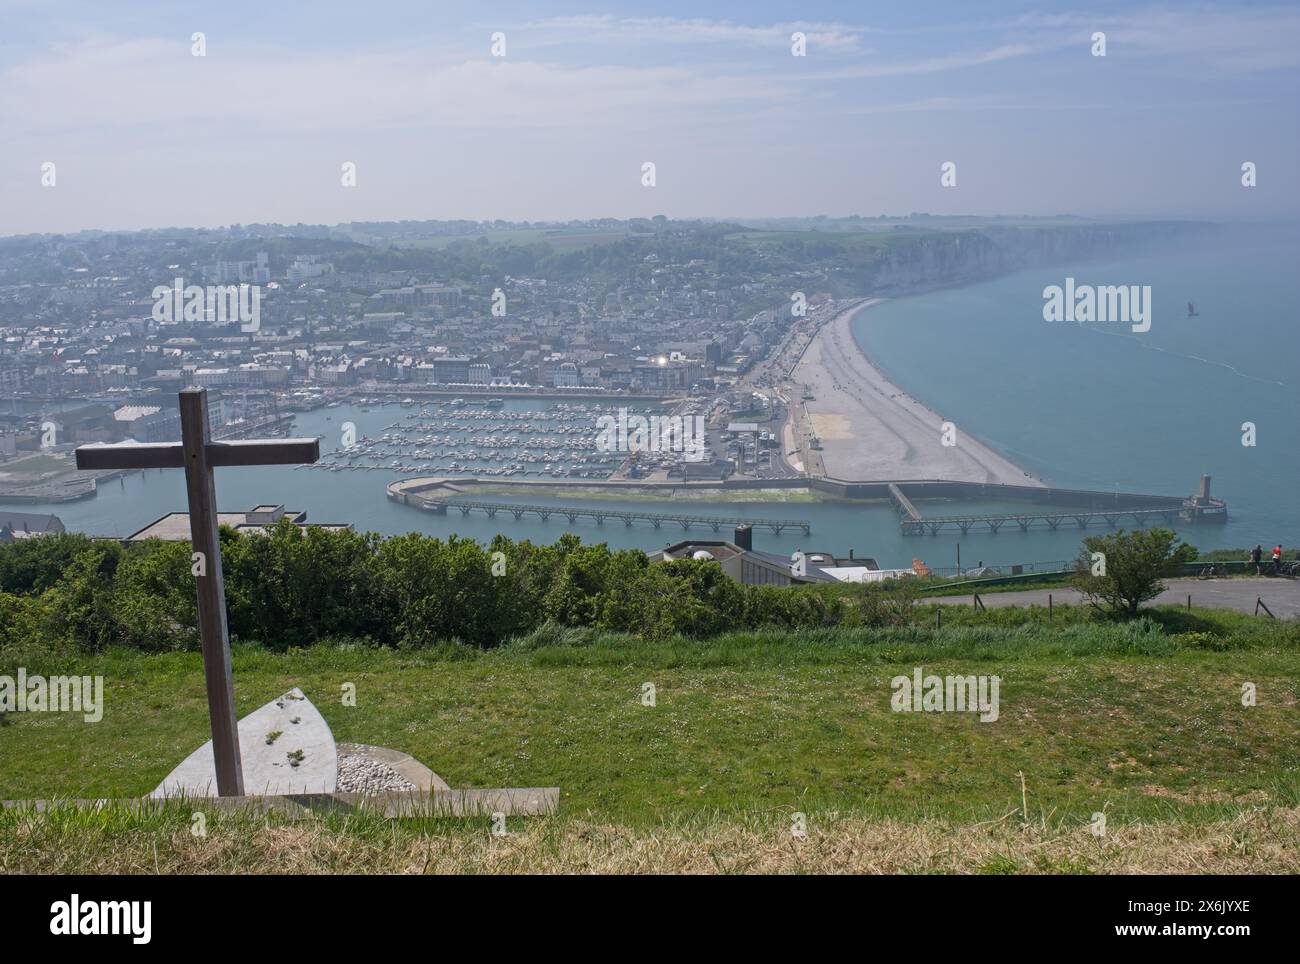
<point x="667" y="503"/>
<point x="1131" y="719"/>
<point x="1143" y="722"/>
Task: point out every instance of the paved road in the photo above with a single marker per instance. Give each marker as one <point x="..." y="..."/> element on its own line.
<point x="1282" y="596"/>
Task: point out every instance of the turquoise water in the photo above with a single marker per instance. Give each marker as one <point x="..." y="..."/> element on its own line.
<point x="1090" y="406"/>
<point x="1099" y="406"/>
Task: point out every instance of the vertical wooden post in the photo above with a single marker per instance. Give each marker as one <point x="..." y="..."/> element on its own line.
<point x="198" y="455"/>
<point x="213" y="633"/>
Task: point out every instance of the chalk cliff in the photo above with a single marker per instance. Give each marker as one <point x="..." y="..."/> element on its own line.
<point x="910" y="264"/>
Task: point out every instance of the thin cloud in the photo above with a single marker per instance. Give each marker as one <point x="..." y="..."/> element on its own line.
<point x="672" y="30"/>
<point x="1240" y="40"/>
<point x="107" y="85"/>
<point x="943" y="65"/>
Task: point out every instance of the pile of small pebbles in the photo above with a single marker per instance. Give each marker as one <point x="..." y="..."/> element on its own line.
<point x="362" y="774"/>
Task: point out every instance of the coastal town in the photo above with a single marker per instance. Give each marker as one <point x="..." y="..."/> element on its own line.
<point x="670" y="356"/>
<point x="98" y="332"/>
<point x="92" y="315"/>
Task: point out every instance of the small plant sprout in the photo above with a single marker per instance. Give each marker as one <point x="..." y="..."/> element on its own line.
<point x="1024" y="799"/>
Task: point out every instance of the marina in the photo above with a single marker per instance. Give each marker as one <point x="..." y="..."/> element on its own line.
<point x="481" y="437"/>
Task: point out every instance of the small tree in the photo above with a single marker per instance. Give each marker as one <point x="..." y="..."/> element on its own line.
<point x="1123" y="569"/>
<point x="891" y="602"/>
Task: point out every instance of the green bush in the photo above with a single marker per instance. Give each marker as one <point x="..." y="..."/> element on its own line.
<point x="294" y="586"/>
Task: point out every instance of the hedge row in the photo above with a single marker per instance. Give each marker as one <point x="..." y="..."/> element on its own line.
<point x="295" y="586"/>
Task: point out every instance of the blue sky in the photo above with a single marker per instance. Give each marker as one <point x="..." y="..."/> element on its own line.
<point x="143" y="134"/>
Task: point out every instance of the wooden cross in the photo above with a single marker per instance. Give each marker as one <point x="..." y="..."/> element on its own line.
<point x="199" y="455"/>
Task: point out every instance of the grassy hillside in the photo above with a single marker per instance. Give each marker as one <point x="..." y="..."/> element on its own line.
<point x="1140" y="722"/>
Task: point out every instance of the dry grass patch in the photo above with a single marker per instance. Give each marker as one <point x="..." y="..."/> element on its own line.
<point x="1252" y="841"/>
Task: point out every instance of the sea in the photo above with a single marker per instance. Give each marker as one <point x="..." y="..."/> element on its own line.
<point x="1091" y="405"/>
<point x="1097" y="405"/>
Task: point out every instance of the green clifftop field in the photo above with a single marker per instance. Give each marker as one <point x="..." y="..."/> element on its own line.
<point x="690" y="723"/>
<point x="1140" y="721"/>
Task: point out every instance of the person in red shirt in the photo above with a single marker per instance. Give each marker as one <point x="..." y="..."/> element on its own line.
<point x="1277" y="559"/>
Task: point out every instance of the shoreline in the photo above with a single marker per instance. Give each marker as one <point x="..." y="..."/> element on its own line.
<point x="870" y="428"/>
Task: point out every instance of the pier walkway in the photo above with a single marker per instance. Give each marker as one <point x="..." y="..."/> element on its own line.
<point x="916" y="524"/>
<point x="573" y="514"/>
<point x="904" y="504"/>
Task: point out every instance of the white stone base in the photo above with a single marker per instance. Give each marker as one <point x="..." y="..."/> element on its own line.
<point x="269" y="769"/>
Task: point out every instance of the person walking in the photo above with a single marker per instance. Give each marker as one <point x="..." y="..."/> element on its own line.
<point x="1277" y="559"/>
<point x="1256" y="555"/>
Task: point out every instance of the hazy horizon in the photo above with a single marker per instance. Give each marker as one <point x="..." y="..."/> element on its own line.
<point x="143" y="134"/>
<point x="742" y="220"/>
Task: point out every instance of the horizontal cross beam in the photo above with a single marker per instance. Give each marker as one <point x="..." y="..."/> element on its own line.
<point x="150" y="455"/>
<point x="288" y="451"/>
<point x="171" y="455"/>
